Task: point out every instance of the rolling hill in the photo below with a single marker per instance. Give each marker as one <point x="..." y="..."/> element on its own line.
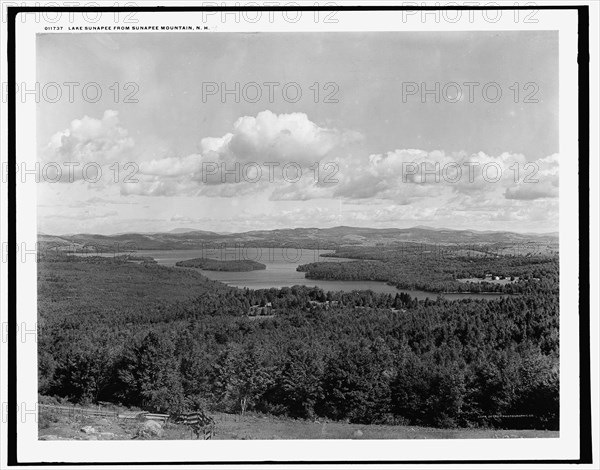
<point x="309" y="238"/>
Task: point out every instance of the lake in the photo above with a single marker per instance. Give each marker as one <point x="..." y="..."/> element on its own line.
<point x="281" y="270"/>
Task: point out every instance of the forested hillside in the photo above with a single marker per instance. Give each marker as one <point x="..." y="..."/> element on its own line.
<point x="218" y="265"/>
<point x="437" y="271"/>
<point x="166" y="339"/>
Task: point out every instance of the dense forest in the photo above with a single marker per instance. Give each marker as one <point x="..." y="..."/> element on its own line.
<point x="436" y="270"/>
<point x="222" y="265"/>
<point x="168" y="339"/>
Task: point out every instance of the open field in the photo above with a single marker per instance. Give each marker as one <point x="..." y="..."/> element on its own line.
<point x="266" y="427"/>
<point x="476" y="280"/>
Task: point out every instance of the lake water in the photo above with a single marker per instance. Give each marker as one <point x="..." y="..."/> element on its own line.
<point x="281" y="270"/>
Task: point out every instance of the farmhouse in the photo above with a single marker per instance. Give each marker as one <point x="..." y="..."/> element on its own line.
<point x="325" y="305"/>
<point x="260" y="310"/>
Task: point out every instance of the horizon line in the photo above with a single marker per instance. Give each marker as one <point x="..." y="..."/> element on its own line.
<point x="420" y="227"/>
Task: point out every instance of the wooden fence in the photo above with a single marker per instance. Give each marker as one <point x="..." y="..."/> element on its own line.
<point x="74" y="411"/>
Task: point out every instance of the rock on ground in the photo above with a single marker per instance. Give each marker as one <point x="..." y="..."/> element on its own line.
<point x="150" y="429"/>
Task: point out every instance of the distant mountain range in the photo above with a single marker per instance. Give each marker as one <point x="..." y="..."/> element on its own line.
<point x="313" y="238"/>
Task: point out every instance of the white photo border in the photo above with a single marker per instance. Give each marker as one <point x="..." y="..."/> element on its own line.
<point x="566" y="447"/>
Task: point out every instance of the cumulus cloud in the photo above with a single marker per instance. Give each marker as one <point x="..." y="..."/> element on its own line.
<point x="282" y="138"/>
<point x="249" y="161"/>
<point x="170" y="166"/>
<point x="260" y="151"/>
<point x="263" y="151"/>
<point x="408" y="174"/>
<point x="537" y="180"/>
<point x="88" y="140"/>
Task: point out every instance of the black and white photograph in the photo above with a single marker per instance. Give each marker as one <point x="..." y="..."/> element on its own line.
<point x="342" y="235"/>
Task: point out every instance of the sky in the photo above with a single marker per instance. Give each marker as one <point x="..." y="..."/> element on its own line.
<point x="392" y="129"/>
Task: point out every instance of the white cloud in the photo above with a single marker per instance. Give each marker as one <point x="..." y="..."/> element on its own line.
<point x="89" y="141"/>
<point x="282" y="138"/>
<point x="252" y="158"/>
<point x="381" y="189"/>
<point x="407" y="174"/>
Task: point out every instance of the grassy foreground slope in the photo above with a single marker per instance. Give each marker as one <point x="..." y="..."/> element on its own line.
<point x="265" y="427"/>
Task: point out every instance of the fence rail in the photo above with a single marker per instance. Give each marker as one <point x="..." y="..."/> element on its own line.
<point x="81" y="411"/>
<point x="77" y="410"/>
